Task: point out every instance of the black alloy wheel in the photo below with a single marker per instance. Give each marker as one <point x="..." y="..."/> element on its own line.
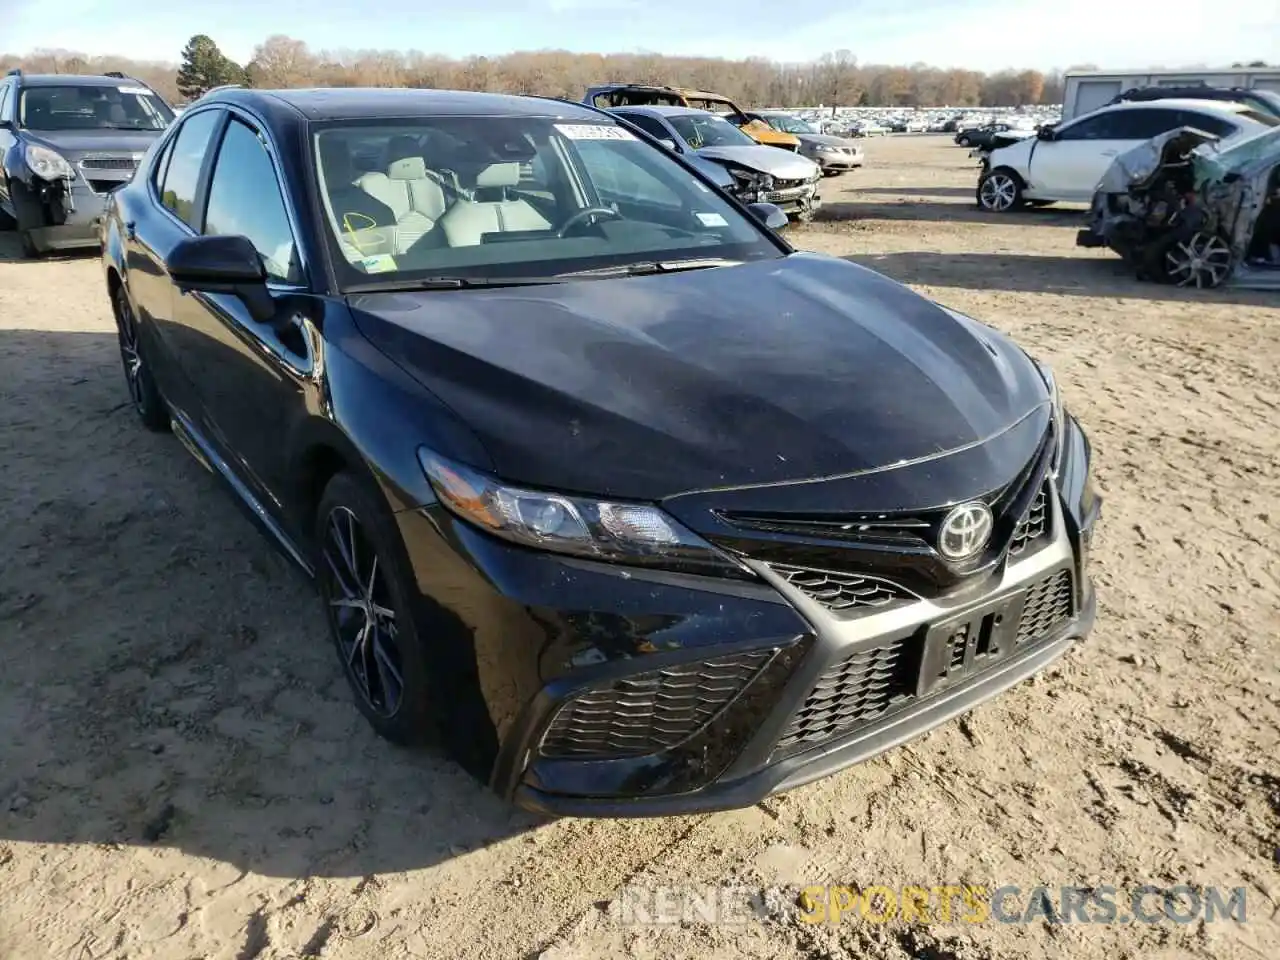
<point x="143" y="392"/>
<point x="369" y="614"/>
<point x="363" y="621"/>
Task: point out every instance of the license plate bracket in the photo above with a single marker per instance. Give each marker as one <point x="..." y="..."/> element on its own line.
<point x="968" y="643"/>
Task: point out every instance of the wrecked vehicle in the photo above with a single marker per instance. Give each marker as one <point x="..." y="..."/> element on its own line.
<point x="65" y="143"/>
<point x="1184" y="210"/>
<point x="760" y="174"/>
<point x="833" y="154"/>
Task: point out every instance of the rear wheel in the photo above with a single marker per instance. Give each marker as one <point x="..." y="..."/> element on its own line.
<point x="143" y="392"/>
<point x="999" y="191"/>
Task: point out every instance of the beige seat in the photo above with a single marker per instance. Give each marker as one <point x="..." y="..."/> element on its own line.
<point x="413" y="195"/>
<point x="366" y="225"/>
<point x="492" y="210"/>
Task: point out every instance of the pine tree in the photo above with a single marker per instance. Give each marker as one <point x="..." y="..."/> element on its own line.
<point x="204" y="67"/>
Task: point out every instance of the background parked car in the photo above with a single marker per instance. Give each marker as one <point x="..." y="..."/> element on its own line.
<point x="761" y="174"/>
<point x="833" y="154"/>
<point x="67" y="141"/>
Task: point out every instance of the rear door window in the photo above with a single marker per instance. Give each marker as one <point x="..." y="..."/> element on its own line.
<point x="186" y="161"/>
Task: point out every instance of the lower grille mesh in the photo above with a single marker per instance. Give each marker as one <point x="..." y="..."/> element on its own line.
<point x="1048" y="604"/>
<point x="866" y="685"/>
<point x="853" y="692"/>
<point x="652" y="711"/>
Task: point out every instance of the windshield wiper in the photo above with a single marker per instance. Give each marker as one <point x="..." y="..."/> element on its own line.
<point x="447" y="283"/>
<point x="645" y="267"/>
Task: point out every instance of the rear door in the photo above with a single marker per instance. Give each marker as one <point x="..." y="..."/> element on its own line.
<point x="1070" y="166"/>
<point x="165" y="215"/>
<point x="249" y="373"/>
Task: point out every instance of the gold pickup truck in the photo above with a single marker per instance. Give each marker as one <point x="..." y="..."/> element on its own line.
<point x="648" y="95"/>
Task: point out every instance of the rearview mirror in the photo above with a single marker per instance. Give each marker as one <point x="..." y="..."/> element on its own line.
<point x="223" y="265"/>
<point x="769" y="215"/>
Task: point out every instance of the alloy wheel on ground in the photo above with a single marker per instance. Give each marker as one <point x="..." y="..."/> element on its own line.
<point x="143" y="392"/>
<point x="1202" y="261"/>
<point x="999" y="192"/>
<point x="361" y="614"/>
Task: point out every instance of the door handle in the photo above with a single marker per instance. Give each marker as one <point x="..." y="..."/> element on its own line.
<point x="1109" y="153"/>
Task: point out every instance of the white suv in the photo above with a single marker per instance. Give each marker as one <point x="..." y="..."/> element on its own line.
<point x="1066" y="162"/>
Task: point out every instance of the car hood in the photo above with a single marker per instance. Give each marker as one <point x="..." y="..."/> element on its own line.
<point x="645" y="387"/>
<point x="779" y="163"/>
<point x="826" y="140"/>
<point x="1018" y="152"/>
<point x="73" y="143"/>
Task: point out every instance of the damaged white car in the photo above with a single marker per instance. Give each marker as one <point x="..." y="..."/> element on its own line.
<point x="1185" y="209"/>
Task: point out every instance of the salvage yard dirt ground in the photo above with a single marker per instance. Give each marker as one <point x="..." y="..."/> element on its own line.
<point x="183" y="774"/>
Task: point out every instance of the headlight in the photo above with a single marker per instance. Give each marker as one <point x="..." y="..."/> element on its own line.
<point x="750" y="183"/>
<point x="1059" y="415"/>
<point x="634" y="533"/>
<point x="46" y="163"/>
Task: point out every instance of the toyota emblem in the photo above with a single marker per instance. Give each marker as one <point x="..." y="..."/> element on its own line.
<point x="965" y="531"/>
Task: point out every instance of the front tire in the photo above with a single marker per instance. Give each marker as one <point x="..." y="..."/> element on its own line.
<point x="143" y="392"/>
<point x="1000" y="191"/>
<point x="1203" y="261"/>
<point x="365" y="587"/>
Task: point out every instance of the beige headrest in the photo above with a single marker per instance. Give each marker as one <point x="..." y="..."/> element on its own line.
<point x="499" y="175"/>
<point x="407" y="168"/>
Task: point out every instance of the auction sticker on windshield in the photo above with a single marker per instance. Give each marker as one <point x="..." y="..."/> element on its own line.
<point x="136" y="91"/>
<point x="712" y="220"/>
<point x="593" y="131"/>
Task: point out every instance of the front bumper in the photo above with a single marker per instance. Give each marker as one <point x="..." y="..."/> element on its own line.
<point x="68" y="217"/>
<point x="526" y="638"/>
<point x="837" y="161"/>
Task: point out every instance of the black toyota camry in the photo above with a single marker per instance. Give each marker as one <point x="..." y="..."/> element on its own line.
<point x="603" y="485"/>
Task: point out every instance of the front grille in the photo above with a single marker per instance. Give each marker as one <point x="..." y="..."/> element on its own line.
<point x="869" y="684"/>
<point x="1033" y="527"/>
<point x="841" y="591"/>
<point x="1048" y="605"/>
<point x="653" y="711"/>
<point x="779" y="184"/>
<point x="855" y="691"/>
<point x="109" y="163"/>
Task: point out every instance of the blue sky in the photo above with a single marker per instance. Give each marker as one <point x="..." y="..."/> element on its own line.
<point x="979" y="34"/>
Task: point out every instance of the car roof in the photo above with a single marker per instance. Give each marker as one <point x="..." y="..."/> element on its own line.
<point x="662" y="110"/>
<point x="75" y="80"/>
<point x="1209" y="106"/>
<point x="687" y="92"/>
<point x="355" y="103"/>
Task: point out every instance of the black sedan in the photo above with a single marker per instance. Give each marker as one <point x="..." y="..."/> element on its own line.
<point x="637" y="509"/>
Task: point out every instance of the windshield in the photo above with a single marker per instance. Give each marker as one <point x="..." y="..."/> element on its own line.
<point x="93" y="107"/>
<point x="493" y="198"/>
<point x="790" y="125"/>
<point x="1257" y="116"/>
<point x="707" y="130"/>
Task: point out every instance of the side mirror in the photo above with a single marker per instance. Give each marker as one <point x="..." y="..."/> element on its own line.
<point x="1046" y="133"/>
<point x="668" y="143"/>
<point x="223" y="265"/>
<point x="769" y="215"/>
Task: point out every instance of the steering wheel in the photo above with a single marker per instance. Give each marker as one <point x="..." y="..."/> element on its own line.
<point x="584" y="215"/>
